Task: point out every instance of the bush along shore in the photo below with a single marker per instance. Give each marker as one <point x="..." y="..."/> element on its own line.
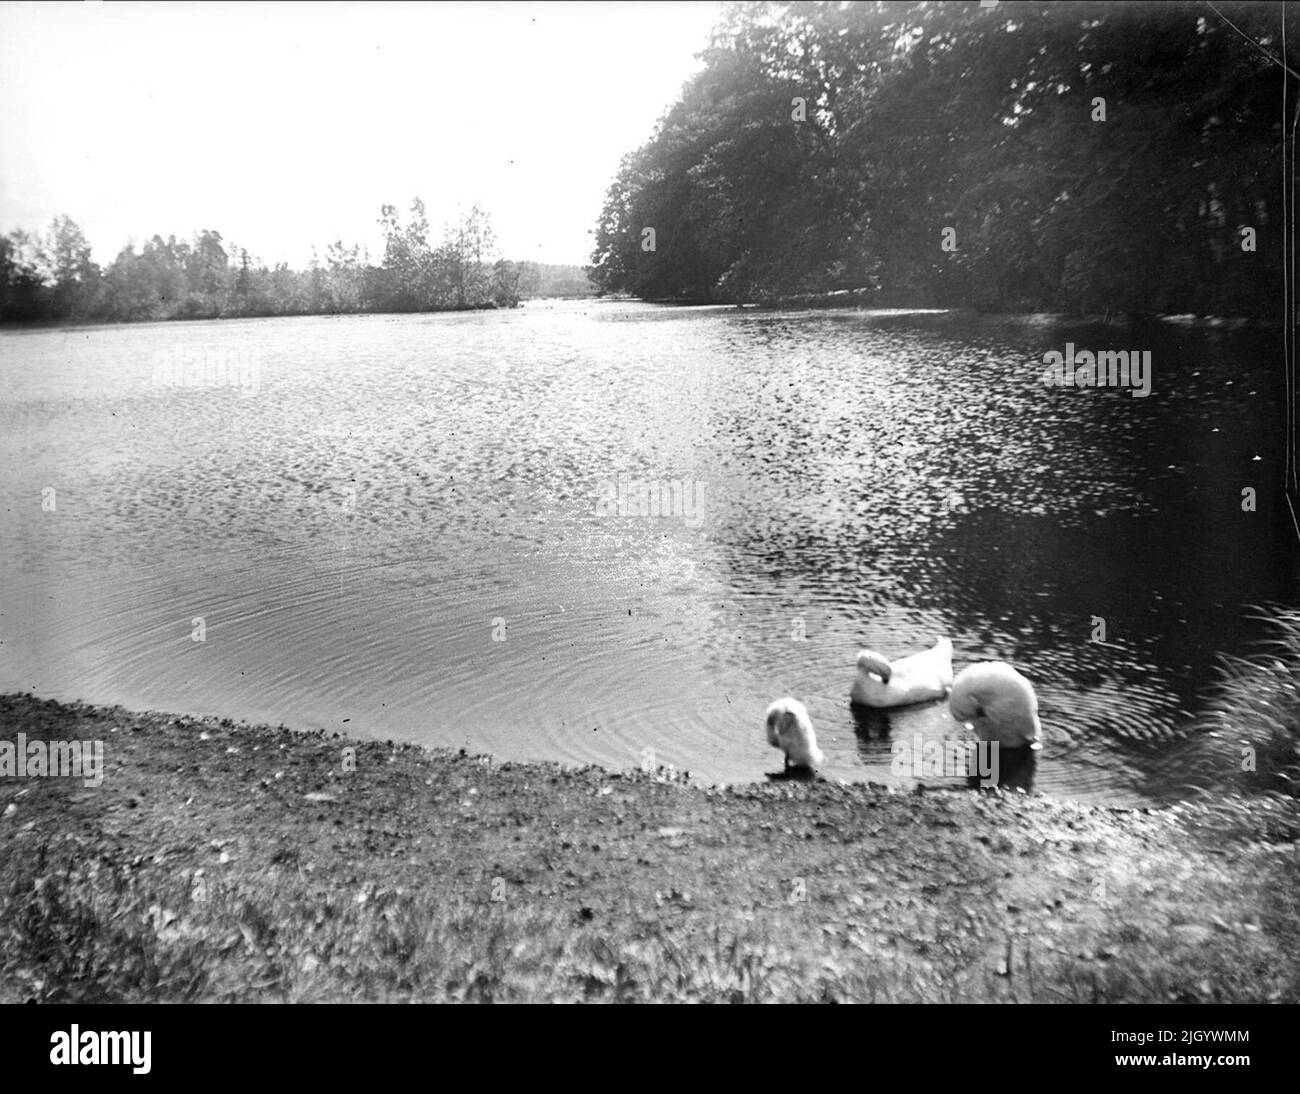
<point x="218" y="861"/>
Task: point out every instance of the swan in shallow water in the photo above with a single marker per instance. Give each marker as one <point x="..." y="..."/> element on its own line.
<point x="998" y="704"/>
<point x="916" y="679"/>
<point x="790" y="729"/>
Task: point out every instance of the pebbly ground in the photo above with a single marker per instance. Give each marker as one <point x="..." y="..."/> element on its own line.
<point x="223" y="861"/>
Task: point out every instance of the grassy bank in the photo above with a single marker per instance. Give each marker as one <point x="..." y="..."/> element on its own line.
<point x="220" y="861"/>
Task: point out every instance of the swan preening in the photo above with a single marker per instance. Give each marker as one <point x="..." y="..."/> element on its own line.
<point x="998" y="704"/>
<point x="790" y="729"/>
<point x="915" y="679"/>
<point x="990" y="698"/>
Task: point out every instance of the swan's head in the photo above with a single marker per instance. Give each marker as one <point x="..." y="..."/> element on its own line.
<point x="997" y="703"/>
<point x="787" y="718"/>
<point x="873" y="663"/>
<point x="790" y="728"/>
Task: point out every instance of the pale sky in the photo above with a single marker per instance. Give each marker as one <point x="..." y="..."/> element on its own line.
<point x="281" y="125"/>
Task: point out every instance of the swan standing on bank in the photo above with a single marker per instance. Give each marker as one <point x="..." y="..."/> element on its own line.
<point x="916" y="679"/>
<point x="998" y="704"/>
<point x="790" y="729"/>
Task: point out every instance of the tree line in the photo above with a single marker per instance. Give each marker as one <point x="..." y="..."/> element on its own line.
<point x="50" y="276"/>
<point x="1025" y="156"/>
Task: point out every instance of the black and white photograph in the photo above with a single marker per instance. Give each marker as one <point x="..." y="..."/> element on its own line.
<point x="742" y="502"/>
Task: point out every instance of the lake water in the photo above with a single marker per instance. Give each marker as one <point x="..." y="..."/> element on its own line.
<point x="399" y="526"/>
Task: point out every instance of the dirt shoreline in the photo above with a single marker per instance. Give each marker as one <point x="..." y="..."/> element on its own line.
<point x="223" y="861"/>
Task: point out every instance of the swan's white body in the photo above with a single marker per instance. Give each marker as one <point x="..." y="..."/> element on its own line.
<point x="998" y="704"/>
<point x="916" y="679"/>
<point x="790" y="729"/>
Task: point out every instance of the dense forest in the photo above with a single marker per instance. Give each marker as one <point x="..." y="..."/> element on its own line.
<point x="50" y="276"/>
<point x="1082" y="157"/>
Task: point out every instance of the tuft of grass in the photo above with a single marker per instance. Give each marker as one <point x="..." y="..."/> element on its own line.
<point x="90" y="929"/>
<point x="1247" y="743"/>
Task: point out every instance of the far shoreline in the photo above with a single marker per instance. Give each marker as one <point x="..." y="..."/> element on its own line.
<point x="828" y="302"/>
<point x="83" y="323"/>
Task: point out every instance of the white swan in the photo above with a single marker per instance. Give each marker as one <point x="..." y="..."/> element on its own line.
<point x="916" y="679"/>
<point x="998" y="704"/>
<point x="790" y="729"/>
